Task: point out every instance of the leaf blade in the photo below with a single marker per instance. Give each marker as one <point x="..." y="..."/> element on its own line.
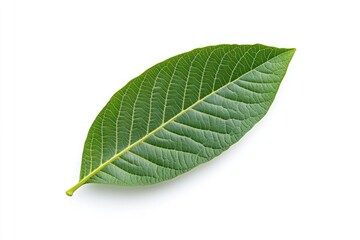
<point x="171" y="143"/>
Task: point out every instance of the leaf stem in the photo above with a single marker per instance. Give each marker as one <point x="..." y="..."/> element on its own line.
<point x="71" y="191"/>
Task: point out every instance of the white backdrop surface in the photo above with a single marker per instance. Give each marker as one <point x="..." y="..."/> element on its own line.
<point x="295" y="175"/>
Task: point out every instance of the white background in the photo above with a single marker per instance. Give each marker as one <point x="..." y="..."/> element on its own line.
<point x="296" y="175"/>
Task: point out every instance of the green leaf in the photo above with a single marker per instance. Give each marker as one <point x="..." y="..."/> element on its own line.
<point x="181" y="113"/>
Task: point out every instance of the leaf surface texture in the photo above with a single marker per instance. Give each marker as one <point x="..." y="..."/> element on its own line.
<point x="181" y="113"/>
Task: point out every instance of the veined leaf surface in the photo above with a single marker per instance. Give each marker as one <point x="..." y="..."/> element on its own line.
<point x="181" y="113"/>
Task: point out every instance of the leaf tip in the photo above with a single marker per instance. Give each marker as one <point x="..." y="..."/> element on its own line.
<point x="289" y="52"/>
<point x="292" y="49"/>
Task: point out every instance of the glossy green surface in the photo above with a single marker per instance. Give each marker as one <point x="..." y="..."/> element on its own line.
<point x="180" y="113"/>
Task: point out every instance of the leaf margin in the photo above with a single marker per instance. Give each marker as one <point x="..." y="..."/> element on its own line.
<point x="85" y="179"/>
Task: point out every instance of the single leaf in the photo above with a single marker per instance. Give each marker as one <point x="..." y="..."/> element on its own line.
<point x="181" y="113"/>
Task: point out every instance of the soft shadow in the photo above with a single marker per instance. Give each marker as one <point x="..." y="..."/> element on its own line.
<point x="136" y="191"/>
